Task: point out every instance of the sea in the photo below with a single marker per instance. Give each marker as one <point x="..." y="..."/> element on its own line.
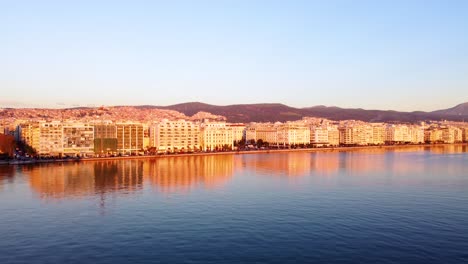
<point x="377" y="205"/>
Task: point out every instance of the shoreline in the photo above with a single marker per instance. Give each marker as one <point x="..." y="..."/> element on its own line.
<point x="242" y="152"/>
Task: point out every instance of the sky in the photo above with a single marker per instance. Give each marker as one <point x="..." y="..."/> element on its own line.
<point x="402" y="55"/>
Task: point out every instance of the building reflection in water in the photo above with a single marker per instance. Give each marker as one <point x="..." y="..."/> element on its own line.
<point x="278" y="164"/>
<point x="7" y="175"/>
<point x="61" y="180"/>
<point x="124" y="176"/>
<point x="358" y="162"/>
<point x="181" y="174"/>
<point x="184" y="173"/>
<point x="83" y="179"/>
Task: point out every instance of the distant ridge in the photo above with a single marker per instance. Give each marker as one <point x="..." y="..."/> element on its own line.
<point x="272" y="112"/>
<point x="265" y="112"/>
<point x="460" y="110"/>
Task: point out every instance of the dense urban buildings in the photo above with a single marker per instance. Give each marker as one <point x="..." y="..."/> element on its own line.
<point x="100" y="135"/>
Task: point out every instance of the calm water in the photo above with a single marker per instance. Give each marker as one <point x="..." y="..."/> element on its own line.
<point x="396" y="206"/>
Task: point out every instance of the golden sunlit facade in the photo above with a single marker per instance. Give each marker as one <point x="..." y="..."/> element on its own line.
<point x="30" y="134"/>
<point x="216" y="136"/>
<point x="319" y="136"/>
<point x="174" y="136"/>
<point x="267" y="132"/>
<point x="50" y="138"/>
<point x="238" y="131"/>
<point x="333" y="135"/>
<point x="293" y="133"/>
<point x="129" y="138"/>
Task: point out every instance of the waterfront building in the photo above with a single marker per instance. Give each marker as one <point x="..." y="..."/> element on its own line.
<point x="378" y="133"/>
<point x="29" y="134"/>
<point x="358" y="133"/>
<point x="50" y="138"/>
<point x="105" y="131"/>
<point x="174" y="136"/>
<point x="319" y="136"/>
<point x="346" y="135"/>
<point x="250" y="133"/>
<point x="465" y="134"/>
<point x="397" y="134"/>
<point x="416" y="134"/>
<point x="452" y="134"/>
<point x="333" y="135"/>
<point x="129" y="137"/>
<point x="146" y="136"/>
<point x="78" y="139"/>
<point x="216" y="136"/>
<point x="433" y="135"/>
<point x="365" y="134"/>
<point x="351" y="135"/>
<point x="105" y="139"/>
<point x="401" y="134"/>
<point x="293" y="133"/>
<point x="238" y="131"/>
<point x="266" y="132"/>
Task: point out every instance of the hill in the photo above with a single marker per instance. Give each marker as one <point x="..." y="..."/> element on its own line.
<point x="459" y="110"/>
<point x="279" y="112"/>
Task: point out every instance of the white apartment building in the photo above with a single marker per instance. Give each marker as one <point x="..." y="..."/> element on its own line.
<point x="293" y="133"/>
<point x="238" y="131"/>
<point x="365" y="135"/>
<point x="465" y="134"/>
<point x="416" y="134"/>
<point x="50" y="138"/>
<point x="267" y="132"/>
<point x="333" y="135"/>
<point x="216" y="136"/>
<point x="397" y="134"/>
<point x="175" y="136"/>
<point x="349" y="135"/>
<point x="452" y="135"/>
<point x="378" y="133"/>
<point x="404" y="134"/>
<point x="29" y="133"/>
<point x="433" y="135"/>
<point x="319" y="136"/>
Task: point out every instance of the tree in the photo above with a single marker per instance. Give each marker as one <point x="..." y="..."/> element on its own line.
<point x="259" y="143"/>
<point x="7" y="145"/>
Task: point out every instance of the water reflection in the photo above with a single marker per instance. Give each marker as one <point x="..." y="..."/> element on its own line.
<point x="182" y="174"/>
<point x="125" y="176"/>
<point x="7" y="174"/>
<point x="82" y="179"/>
<point x="278" y="164"/>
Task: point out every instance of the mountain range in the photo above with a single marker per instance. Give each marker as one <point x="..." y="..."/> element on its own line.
<point x="242" y="113"/>
<point x="280" y="112"/>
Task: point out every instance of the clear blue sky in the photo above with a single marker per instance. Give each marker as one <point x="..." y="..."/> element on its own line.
<point x="402" y="55"/>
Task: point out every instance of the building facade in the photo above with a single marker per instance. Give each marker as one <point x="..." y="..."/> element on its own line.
<point x="78" y="139"/>
<point x="129" y="138"/>
<point x="216" y="136"/>
<point x="175" y="136"/>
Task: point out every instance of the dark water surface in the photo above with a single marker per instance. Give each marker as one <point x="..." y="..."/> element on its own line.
<point x="374" y="206"/>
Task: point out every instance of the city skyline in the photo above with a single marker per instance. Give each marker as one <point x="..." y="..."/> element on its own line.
<point x="397" y="55"/>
